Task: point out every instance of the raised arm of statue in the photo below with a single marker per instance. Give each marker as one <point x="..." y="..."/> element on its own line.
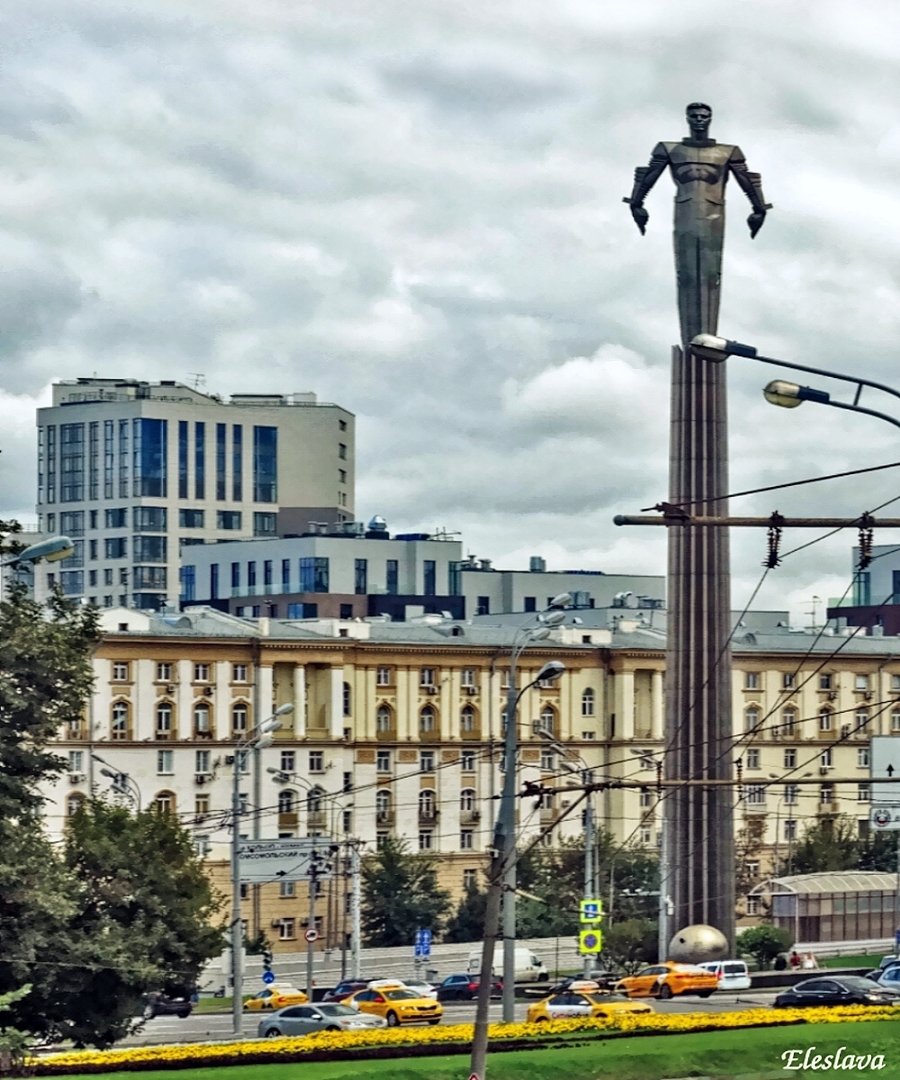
<point x="751" y="184"/>
<point x="645" y="176"/>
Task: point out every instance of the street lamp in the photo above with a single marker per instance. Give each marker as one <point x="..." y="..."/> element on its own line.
<point x="789" y="394"/>
<point x="257" y="739"/>
<point x="52" y="549"/>
<point x="502" y="874"/>
<point x="123" y="784"/>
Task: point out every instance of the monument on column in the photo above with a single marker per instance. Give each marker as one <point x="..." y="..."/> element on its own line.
<point x="698" y="845"/>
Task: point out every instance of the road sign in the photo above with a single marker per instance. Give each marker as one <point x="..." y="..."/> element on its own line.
<point x="268" y="977"/>
<point x="885" y="818"/>
<point x="884" y="764"/>
<point x="590" y="942"/>
<point x="590" y="911"/>
<point x="279" y="860"/>
<point x="423" y="944"/>
<point x="311" y="935"/>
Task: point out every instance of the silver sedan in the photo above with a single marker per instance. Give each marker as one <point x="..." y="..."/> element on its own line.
<point x="306" y="1019"/>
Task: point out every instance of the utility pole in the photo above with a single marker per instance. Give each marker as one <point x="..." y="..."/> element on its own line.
<point x="355" y="907"/>
<point x="589" y="845"/>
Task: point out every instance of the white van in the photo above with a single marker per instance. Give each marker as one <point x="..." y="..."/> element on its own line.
<point x="732" y="974"/>
<point x="529" y="968"/>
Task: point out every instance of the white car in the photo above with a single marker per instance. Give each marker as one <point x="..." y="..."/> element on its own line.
<point x="732" y="974"/>
<point x="423" y="989"/>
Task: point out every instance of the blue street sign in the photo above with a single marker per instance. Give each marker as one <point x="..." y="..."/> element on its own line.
<point x="268" y="977"/>
<point x="426" y="937"/>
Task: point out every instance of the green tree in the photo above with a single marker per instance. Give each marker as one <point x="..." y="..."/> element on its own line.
<point x="400" y="896"/>
<point x="764" y="942"/>
<point x="630" y="944"/>
<point x="141" y="917"/>
<point x="828" y="844"/>
<point x="468" y="922"/>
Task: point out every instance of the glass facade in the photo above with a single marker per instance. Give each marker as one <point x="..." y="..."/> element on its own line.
<point x="221" y="458"/>
<point x="199" y="460"/>
<point x="265" y="464"/>
<point x="361" y="576"/>
<point x="237" y="462"/>
<point x="149" y="549"/>
<point x="150" y="519"/>
<point x="429" y="571"/>
<point x="264" y="523"/>
<point x="150" y="466"/>
<point x="313" y="574"/>
<point x="183" y="459"/>
<point x="392" y="575"/>
<point x="71" y="455"/>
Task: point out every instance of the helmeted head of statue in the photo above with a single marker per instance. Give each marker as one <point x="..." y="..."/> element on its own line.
<point x="699" y="117"/>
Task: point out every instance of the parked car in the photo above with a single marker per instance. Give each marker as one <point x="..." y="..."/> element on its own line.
<point x="732" y="974"/>
<point x="159" y="1004"/>
<point x="836" y="990"/>
<point x="668" y="980"/>
<point x="604" y="980"/>
<point x="345" y="988"/>
<point x="464" y="987"/>
<point x="889" y="977"/>
<point x="307" y="1019"/>
<point x="426" y="989"/>
<point x="276" y="996"/>
<point x="584" y="998"/>
<point x="397" y="1004"/>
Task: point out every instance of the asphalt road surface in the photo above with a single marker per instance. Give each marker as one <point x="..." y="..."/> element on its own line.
<point x="216" y="1027"/>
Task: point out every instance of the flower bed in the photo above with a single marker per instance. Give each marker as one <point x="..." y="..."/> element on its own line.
<point x="419" y="1042"/>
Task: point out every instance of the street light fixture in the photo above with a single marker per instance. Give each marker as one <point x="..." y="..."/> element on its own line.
<point x="123" y="784"/>
<point x="789" y="394"/>
<point x="502" y="874"/>
<point x="258" y="739"/>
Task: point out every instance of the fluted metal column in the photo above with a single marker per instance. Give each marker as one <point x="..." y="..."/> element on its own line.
<point x="699" y="822"/>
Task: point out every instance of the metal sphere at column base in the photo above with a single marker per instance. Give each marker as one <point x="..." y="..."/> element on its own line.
<point x="698" y="943"/>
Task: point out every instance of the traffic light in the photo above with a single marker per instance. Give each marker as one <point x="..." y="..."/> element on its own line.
<point x="267" y="958"/>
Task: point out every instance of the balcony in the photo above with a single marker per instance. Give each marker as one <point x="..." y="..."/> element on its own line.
<point x="316" y="819"/>
<point x="384" y="817"/>
<point x="469" y="817"/>
<point x="287" y="819"/>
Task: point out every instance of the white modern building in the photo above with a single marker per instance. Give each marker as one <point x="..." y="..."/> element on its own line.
<point x="134" y="471"/>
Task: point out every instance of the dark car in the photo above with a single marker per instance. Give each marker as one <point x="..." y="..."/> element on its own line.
<point x="159" y="1004"/>
<point x="605" y="980"/>
<point x="836" y="990"/>
<point x="344" y="989"/>
<point x="465" y="988"/>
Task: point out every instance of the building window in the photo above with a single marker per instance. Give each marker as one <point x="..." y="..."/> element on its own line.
<point x="316" y="761"/>
<point x="646" y="799"/>
<point x="347" y="699"/>
<point x="429" y="572"/>
<point x="384" y="676"/>
<point x="789" y="724"/>
<point x="392" y="576"/>
<point x="239" y="673"/>
<point x="895" y="720"/>
<point x="895" y="684"/>
<point x="587" y="702"/>
<point x="313" y="574"/>
<point x="121" y="671"/>
<point x="426" y="761"/>
<point x="826" y="793"/>
<point x="384" y="719"/>
<point x="470" y="879"/>
<point x="825" y="761"/>
<point x="790" y="829"/>
<point x="201" y="672"/>
<point x="752" y="680"/>
<point x="201" y="762"/>
<point x="426" y="840"/>
<point x="861" y="682"/>
<point x="426" y="804"/>
<point x="287" y="929"/>
<point x="165" y="762"/>
<point x="753" y="758"/>
<point x="752" y="905"/>
<point x="427" y="723"/>
<point x="239" y="717"/>
<point x="825" y="681"/>
<point x="751" y="720"/>
<point x="121" y="721"/>
<point x="265" y="464"/>
<point x="788" y="680"/>
<point x="862" y="757"/>
<point x="202" y="719"/>
<point x="382" y="761"/>
<point x="863" y="792"/>
<point x="548" y="760"/>
<point x="756" y="795"/>
<point x="467" y="720"/>
<point x="265" y="523"/>
<point x="825" y="720"/>
<point x="790" y="758"/>
<point x="467" y="800"/>
<point x="791" y="792"/>
<point x="287" y="890"/>
<point x="467" y="760"/>
<point x="466" y="839"/>
<point x="382" y="805"/>
<point x="467" y="677"/>
<point x="548" y="719"/>
<point x="228" y="519"/>
<point x="164" y="671"/>
<point x="861" y="717"/>
<point x="164" y="716"/>
<point x="285" y="802"/>
<point x="427" y="676"/>
<point x="361" y="576"/>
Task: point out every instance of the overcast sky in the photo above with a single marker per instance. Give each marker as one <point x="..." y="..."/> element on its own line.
<point x="414" y="208"/>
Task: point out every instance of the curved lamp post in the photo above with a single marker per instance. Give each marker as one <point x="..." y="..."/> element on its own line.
<point x="52" y="549"/>
<point x="502" y="874"/>
<point x="123" y="784"/>
<point x="790" y="394"/>
<point x="257" y="739"/>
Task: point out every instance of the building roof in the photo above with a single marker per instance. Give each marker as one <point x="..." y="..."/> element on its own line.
<point x="832" y="881"/>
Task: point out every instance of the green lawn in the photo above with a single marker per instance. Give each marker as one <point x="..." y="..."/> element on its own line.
<point x="741" y="1053"/>
<point x="851" y="961"/>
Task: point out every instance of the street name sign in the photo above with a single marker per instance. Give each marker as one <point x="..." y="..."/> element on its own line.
<point x="278" y="860"/>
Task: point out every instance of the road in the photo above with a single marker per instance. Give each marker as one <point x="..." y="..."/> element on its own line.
<point x="213" y="1027"/>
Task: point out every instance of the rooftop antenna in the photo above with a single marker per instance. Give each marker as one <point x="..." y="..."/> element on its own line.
<point x="199" y="379"/>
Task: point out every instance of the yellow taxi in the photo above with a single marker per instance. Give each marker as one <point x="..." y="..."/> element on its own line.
<point x="667" y="980"/>
<point x="275" y="997"/>
<point x="584" y="998"/>
<point x="396" y="1003"/>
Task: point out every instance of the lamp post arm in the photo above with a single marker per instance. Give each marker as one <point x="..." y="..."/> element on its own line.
<point x="855" y="379"/>
<point x="860" y="409"/>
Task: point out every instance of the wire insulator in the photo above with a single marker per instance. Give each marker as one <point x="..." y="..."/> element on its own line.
<point x="773" y="541"/>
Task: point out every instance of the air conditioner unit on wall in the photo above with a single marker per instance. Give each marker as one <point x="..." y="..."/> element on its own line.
<point x="76" y="777"/>
<point x="471" y="690"/>
<point x="201" y="777"/>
